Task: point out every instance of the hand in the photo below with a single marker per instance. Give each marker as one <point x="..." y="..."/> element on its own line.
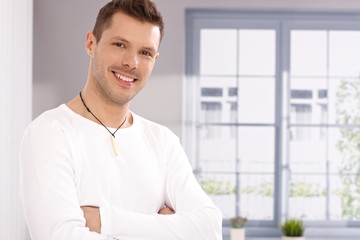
<point x="92" y="217"/>
<point x="166" y="210"/>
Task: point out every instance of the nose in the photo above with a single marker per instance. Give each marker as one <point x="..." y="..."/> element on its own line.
<point x="130" y="60"/>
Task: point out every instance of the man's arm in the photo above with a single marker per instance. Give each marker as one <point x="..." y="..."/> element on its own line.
<point x="47" y="186"/>
<point x="93" y="221"/>
<point x="196" y="217"/>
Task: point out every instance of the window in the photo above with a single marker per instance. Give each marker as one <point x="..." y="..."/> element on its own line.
<point x="274" y="125"/>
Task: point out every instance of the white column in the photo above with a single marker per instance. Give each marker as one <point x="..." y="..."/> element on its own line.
<point x="16" y="29"/>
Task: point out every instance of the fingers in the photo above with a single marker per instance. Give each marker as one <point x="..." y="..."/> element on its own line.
<point x="92" y="217"/>
<point x="166" y="210"/>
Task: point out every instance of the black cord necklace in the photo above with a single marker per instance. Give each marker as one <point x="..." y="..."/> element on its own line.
<point x="113" y="140"/>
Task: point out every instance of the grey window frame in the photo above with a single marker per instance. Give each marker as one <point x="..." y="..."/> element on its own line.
<point x="282" y="22"/>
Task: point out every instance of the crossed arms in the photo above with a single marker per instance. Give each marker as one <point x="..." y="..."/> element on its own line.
<point x="93" y="221"/>
<point x="50" y="177"/>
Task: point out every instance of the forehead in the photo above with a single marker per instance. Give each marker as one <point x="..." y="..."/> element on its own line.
<point x="133" y="30"/>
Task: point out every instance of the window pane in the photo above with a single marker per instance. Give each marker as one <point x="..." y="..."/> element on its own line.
<point x="256" y="171"/>
<point x="344" y="157"/>
<point x="257" y="52"/>
<point x="221" y="189"/>
<point x="305" y="140"/>
<point x="339" y="150"/>
<point x="307" y="197"/>
<point x="300" y="160"/>
<point x="337" y="194"/>
<point x="344" y="150"/>
<point x="308" y="53"/>
<point x="344" y="53"/>
<point x="256" y="100"/>
<point x="218" y="99"/>
<point x="308" y="100"/>
<point x="345" y="200"/>
<point x="344" y="101"/>
<point x="218" y="51"/>
<point x="217" y="151"/>
<point x="338" y="155"/>
<point x="251" y="139"/>
<point x="257" y="196"/>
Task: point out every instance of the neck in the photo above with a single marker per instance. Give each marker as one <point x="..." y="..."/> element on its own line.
<point x="109" y="113"/>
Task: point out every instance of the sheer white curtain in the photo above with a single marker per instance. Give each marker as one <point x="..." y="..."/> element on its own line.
<point x="16" y="19"/>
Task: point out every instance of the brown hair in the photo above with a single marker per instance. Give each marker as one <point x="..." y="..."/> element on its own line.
<point x="143" y="10"/>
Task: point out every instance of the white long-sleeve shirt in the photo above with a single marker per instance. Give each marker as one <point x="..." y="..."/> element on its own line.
<point x="67" y="161"/>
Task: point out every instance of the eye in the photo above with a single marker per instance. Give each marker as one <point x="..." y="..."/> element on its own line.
<point x="119" y="44"/>
<point x="146" y="53"/>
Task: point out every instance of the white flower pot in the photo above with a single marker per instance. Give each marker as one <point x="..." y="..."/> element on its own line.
<point x="293" y="238"/>
<point x="237" y="234"/>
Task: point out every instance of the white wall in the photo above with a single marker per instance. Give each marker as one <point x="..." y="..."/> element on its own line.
<point x="61" y="63"/>
<point x="15" y="108"/>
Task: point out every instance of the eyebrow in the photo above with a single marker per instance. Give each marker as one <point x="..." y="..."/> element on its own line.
<point x="151" y="49"/>
<point x="120" y="39"/>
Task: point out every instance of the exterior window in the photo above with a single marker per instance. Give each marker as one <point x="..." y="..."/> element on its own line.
<point x="301" y="94"/>
<point x="211" y="112"/>
<point x="233" y="92"/>
<point x="211" y="92"/>
<point x="276" y="121"/>
<point x="302" y="114"/>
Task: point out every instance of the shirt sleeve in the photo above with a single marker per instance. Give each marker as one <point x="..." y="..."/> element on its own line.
<point x="47" y="186"/>
<point x="196" y="216"/>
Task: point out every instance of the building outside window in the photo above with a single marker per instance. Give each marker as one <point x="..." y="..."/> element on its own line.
<point x="274" y="126"/>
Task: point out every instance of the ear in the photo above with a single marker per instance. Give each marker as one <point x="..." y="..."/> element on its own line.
<point x="90" y="44"/>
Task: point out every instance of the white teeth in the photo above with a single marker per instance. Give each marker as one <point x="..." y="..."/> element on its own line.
<point x="126" y="79"/>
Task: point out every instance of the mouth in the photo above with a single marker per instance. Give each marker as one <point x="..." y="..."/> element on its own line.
<point x="124" y="78"/>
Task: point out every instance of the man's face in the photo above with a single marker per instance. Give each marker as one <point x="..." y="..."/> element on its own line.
<point x="123" y="59"/>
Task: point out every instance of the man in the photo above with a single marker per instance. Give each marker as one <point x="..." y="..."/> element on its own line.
<point x="92" y="169"/>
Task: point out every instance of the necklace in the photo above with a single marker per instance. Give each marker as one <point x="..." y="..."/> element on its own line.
<point x="113" y="139"/>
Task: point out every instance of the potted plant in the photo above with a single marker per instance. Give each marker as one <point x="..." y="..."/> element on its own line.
<point x="237" y="231"/>
<point x="293" y="229"/>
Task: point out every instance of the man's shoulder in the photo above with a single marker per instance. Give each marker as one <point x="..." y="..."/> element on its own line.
<point x="146" y="122"/>
<point x="153" y="127"/>
<point x="49" y="117"/>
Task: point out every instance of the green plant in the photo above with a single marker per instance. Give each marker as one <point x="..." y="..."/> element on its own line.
<point x="304" y="189"/>
<point x="265" y="189"/>
<point x="238" y="222"/>
<point x="292" y="228"/>
<point x="216" y="187"/>
<point x="348" y="145"/>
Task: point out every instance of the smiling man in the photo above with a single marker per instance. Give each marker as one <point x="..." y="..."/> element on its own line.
<point x="93" y="169"/>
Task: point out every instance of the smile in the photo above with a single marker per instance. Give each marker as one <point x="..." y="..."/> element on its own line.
<point x="124" y="78"/>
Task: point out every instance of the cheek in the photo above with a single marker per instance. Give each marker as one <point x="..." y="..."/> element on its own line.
<point x="106" y="57"/>
<point x="148" y="67"/>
